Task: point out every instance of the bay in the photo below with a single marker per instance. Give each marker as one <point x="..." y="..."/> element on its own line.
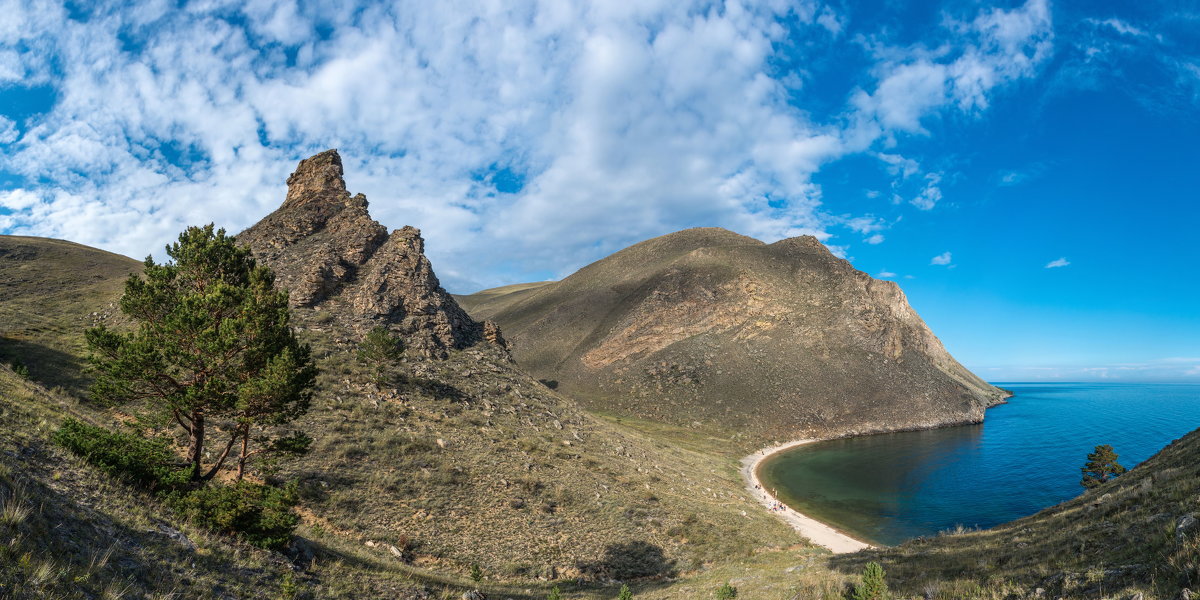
<point x="1026" y="456"/>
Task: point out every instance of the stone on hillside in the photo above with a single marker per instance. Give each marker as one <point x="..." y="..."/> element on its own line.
<point x="1185" y="524"/>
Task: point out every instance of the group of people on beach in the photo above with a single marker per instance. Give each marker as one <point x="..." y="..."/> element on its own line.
<point x="774" y="506"/>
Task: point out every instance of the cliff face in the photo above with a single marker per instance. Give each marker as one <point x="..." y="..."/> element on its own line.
<point x="331" y="256"/>
<point x="779" y="340"/>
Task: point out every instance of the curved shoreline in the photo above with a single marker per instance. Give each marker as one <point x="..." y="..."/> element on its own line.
<point x="816" y="531"/>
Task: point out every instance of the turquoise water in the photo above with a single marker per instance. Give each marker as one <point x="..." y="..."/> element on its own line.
<point x="1025" y="457"/>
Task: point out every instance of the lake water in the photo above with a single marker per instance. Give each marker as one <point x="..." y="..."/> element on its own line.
<point x="1025" y="457"/>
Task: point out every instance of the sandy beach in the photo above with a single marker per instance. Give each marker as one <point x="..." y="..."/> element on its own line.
<point x="816" y="531"/>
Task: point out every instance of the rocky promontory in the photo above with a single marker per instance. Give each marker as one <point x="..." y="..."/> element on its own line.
<point x="332" y="257"/>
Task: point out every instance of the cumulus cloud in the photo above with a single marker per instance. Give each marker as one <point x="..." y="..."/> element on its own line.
<point x="874" y="239"/>
<point x="885" y="274"/>
<point x="996" y="47"/>
<point x="607" y="122"/>
<point x="941" y="259"/>
<point x="1058" y="262"/>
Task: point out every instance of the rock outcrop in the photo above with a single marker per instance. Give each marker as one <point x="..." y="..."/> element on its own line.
<point x="779" y="340"/>
<point x="331" y="256"/>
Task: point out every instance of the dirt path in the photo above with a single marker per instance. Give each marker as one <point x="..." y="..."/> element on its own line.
<point x="816" y="531"/>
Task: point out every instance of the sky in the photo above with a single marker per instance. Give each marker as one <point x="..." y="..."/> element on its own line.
<point x="1026" y="171"/>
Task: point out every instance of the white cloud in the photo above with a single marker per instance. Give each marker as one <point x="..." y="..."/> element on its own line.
<point x="885" y="274"/>
<point x="931" y="194"/>
<point x="623" y="120"/>
<point x="866" y="224"/>
<point x="1012" y="178"/>
<point x="1121" y="27"/>
<point x="996" y="47"/>
<point x="1163" y="369"/>
<point x="8" y="130"/>
<point x="941" y="259"/>
<point x="874" y="239"/>
<point x="1058" y="262"/>
<point x="16" y="200"/>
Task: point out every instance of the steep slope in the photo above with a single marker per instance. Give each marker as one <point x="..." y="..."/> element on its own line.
<point x="69" y="532"/>
<point x="777" y="340"/>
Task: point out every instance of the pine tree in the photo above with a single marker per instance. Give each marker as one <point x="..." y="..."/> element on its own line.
<point x="1101" y="466"/>
<point x="873" y="586"/>
<point x="555" y="594"/>
<point x="727" y="592"/>
<point x="625" y="593"/>
<point x="212" y="340"/>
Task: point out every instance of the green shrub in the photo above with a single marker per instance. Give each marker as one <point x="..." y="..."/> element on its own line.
<point x="726" y="592"/>
<point x="625" y="593"/>
<point x="380" y="346"/>
<point x="555" y="594"/>
<point x="20" y="369"/>
<point x="873" y="586"/>
<point x="261" y="514"/>
<point x="147" y="462"/>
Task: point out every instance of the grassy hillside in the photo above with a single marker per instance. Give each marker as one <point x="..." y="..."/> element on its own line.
<point x="715" y="330"/>
<point x="453" y="463"/>
<point x="53" y="290"/>
<point x="67" y="531"/>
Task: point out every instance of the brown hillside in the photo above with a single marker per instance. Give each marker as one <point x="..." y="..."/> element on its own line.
<point x="452" y="455"/>
<point x="778" y="340"/>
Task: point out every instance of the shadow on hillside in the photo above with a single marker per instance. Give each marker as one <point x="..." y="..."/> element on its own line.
<point x="437" y="389"/>
<point x="48" y="366"/>
<point x="630" y="560"/>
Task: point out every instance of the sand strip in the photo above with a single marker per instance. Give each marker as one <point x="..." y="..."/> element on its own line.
<point x="816" y="531"/>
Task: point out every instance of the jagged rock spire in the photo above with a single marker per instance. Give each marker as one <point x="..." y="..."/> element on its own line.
<point x="317" y="179"/>
<point x="329" y="253"/>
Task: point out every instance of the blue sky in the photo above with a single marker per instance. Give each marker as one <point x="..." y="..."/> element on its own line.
<point x="1027" y="171"/>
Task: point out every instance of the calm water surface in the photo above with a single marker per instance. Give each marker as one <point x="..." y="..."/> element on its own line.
<point x="1026" y="456"/>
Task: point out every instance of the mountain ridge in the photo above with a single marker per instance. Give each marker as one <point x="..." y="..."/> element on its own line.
<point x="797" y="341"/>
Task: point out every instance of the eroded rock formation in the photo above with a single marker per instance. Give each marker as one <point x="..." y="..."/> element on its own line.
<point x="330" y="255"/>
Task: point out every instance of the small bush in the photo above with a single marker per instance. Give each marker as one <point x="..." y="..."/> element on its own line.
<point x="20" y="369"/>
<point x="555" y="594"/>
<point x="625" y="593"/>
<point x="261" y="514"/>
<point x="147" y="462"/>
<point x="726" y="592"/>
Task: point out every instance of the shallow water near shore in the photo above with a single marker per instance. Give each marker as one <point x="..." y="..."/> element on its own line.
<point x="1026" y="456"/>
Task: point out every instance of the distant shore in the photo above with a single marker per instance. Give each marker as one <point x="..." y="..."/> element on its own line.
<point x="816" y="531"/>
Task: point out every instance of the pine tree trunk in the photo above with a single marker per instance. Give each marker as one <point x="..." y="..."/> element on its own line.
<point x="243" y="456"/>
<point x="196" y="451"/>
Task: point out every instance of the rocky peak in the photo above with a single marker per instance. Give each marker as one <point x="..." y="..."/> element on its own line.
<point x="330" y="255"/>
<point x="317" y="179"/>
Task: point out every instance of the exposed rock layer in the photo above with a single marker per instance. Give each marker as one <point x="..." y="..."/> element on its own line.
<point x="329" y="253"/>
<point x="780" y="340"/>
